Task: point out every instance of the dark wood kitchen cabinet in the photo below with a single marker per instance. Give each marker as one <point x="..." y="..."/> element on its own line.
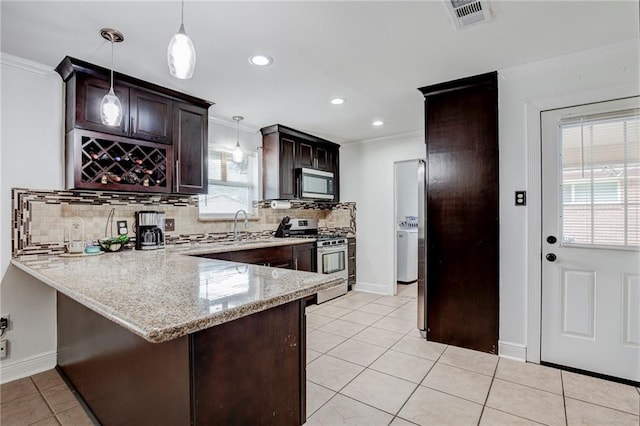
<point x="151" y="113"/>
<point x="351" y="261"/>
<point x="315" y="156"/>
<point x="150" y="116"/>
<point x="277" y="257"/>
<point x="83" y="99"/>
<point x="300" y="257"/>
<point x="145" y="115"/>
<point x="461" y="205"/>
<point x="304" y="257"/>
<point x="190" y="148"/>
<point x="204" y="378"/>
<point x="285" y="150"/>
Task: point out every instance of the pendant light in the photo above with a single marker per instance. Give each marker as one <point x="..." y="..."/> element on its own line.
<point x="181" y="55"/>
<point x="110" y="107"/>
<point x="237" y="152"/>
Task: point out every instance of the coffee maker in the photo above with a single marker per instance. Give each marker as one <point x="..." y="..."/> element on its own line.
<point x="149" y="230"/>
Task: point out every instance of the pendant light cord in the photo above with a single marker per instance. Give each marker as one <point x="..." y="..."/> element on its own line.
<point x="182" y="14"/>
<point x="237" y="132"/>
<point x="111" y="62"/>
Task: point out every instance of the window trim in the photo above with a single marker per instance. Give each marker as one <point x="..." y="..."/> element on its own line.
<point x="253" y="186"/>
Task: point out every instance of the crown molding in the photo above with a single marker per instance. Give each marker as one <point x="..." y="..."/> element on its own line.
<point x="417" y="135"/>
<point x="24" y="64"/>
<point x="232" y="124"/>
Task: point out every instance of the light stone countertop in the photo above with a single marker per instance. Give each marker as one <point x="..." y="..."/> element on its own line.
<point x="164" y="294"/>
<point x="226" y="246"/>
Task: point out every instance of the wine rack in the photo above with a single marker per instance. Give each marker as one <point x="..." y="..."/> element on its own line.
<point x="118" y="164"/>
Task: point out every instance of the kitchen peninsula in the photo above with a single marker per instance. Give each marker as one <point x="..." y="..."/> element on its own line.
<point x="161" y="337"/>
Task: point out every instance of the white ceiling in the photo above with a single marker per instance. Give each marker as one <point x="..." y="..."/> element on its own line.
<point x="375" y="54"/>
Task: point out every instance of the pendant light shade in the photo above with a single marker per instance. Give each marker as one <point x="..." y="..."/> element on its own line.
<point x="110" y="106"/>
<point x="181" y="54"/>
<point x="237" y="151"/>
<point x="111" y="109"/>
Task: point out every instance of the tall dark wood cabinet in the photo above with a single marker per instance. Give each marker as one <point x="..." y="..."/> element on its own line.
<point x="461" y="225"/>
<point x="284" y="150"/>
<point x="120" y="158"/>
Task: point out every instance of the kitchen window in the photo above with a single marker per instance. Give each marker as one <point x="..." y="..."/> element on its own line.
<point x="232" y="186"/>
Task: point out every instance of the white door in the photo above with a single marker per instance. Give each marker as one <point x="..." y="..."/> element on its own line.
<point x="591" y="238"/>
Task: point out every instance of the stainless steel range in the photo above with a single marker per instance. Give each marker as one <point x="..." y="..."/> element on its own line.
<point x="331" y="255"/>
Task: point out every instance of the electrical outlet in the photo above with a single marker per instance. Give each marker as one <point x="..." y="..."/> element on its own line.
<point x="122" y="227"/>
<point x="169" y="225"/>
<point x="3" y="348"/>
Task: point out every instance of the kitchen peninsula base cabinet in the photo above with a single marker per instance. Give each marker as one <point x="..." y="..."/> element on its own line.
<point x="247" y="371"/>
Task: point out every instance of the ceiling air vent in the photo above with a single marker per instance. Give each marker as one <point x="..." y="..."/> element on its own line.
<point x="468" y="12"/>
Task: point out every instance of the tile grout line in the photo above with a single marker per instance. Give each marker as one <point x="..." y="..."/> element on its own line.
<point x="564" y="400"/>
<point x="53" y="415"/>
<point x="347" y="384"/>
<point x="363" y="370"/>
<point x="484" y="405"/>
<point x="419" y="384"/>
<point x="602" y="406"/>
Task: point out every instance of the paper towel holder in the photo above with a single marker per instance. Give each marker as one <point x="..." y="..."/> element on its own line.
<point x="280" y="204"/>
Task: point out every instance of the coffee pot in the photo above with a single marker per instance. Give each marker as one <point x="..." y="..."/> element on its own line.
<point x="149" y="230"/>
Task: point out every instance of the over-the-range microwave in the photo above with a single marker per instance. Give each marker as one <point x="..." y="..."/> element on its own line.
<point x="315" y="184"/>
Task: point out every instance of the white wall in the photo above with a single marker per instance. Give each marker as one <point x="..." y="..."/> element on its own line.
<point x="31" y="156"/>
<point x="594" y="75"/>
<point x="32" y="153"/>
<point x="406" y="188"/>
<point x="367" y="177"/>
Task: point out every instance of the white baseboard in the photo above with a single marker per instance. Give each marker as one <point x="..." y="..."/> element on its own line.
<point x="27" y="367"/>
<point x="371" y="288"/>
<point x="513" y="351"/>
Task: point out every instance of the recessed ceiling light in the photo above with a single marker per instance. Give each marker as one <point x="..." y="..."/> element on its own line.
<point x="378" y="123"/>
<point x="338" y="101"/>
<point x="261" y="60"/>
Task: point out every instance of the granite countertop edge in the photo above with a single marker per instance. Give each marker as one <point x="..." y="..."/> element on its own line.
<point x="170" y="333"/>
<point x="159" y="335"/>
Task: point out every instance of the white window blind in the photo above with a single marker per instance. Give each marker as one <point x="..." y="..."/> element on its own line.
<point x="232" y="186"/>
<point x="600" y="179"/>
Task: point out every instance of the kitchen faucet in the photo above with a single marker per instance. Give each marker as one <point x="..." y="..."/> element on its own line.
<point x="235" y="224"/>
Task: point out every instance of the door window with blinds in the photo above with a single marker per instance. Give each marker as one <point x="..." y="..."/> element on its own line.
<point x="600" y="184"/>
<point x="232" y="186"/>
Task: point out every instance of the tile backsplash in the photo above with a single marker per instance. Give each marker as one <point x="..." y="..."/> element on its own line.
<point x="40" y="218"/>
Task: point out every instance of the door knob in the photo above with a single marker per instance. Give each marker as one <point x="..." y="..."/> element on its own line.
<point x="551" y="239"/>
<point x="551" y="257"/>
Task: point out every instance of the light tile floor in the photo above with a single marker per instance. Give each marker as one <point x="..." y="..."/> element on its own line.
<point x="368" y="365"/>
<point x="43" y="399"/>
